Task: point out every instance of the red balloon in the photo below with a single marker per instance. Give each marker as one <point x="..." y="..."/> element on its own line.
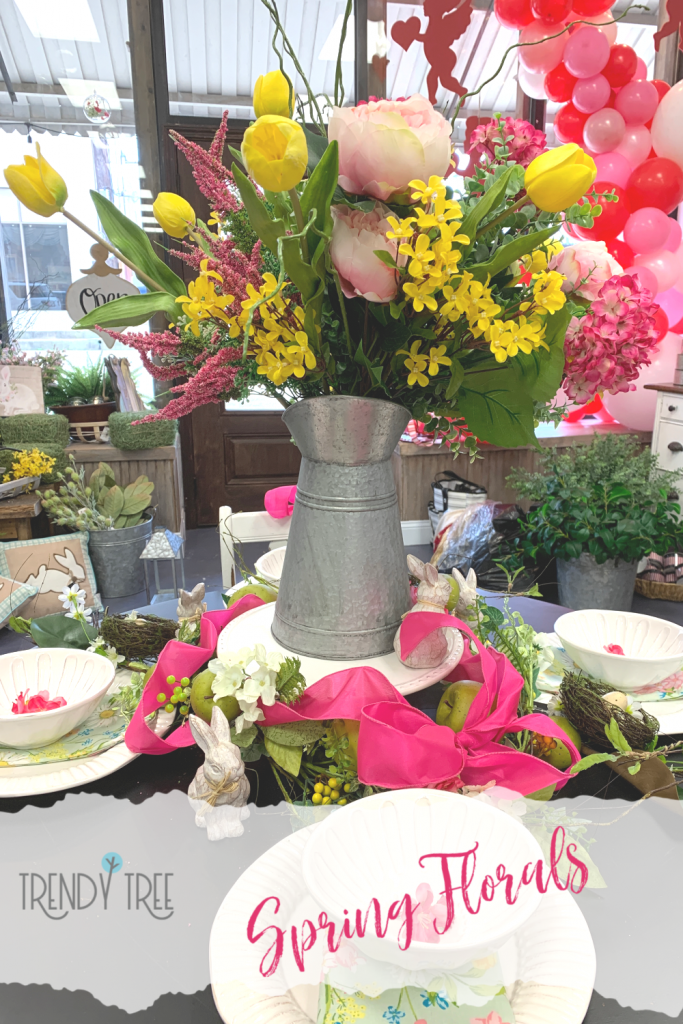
<point x="621" y="66"/>
<point x="551" y="11"/>
<point x="661" y="87"/>
<point x="613" y="218"/>
<point x="623" y="253"/>
<point x="513" y="13"/>
<point x="569" y="124"/>
<point x="677" y="328"/>
<point x="559" y="84"/>
<point x="587" y="8"/>
<point x="656" y="182"/>
<point x="661" y="323"/>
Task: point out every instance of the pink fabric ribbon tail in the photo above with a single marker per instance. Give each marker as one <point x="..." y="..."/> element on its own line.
<point x="279" y="501"/>
<point x="179" y="659"/>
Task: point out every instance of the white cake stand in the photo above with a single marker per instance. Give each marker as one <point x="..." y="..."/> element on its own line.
<point x="254" y="627"/>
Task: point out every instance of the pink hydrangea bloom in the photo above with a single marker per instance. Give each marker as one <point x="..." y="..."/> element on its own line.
<point x="526" y="144"/>
<point x="355" y="237"/>
<point x="605" y="350"/>
<point x="385" y="144"/>
<point x="586" y="266"/>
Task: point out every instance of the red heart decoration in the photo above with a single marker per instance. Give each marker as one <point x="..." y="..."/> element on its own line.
<point x="405" y="32"/>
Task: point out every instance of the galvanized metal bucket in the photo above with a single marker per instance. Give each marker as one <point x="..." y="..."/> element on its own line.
<point x="115" y="556"/>
<point x="344" y="584"/>
<point x="582" y="583"/>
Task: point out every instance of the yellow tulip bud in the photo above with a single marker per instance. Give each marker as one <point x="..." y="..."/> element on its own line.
<point x="37" y="185"/>
<point x="271" y="95"/>
<point x="174" y="214"/>
<point x="557" y="179"/>
<point x="275" y="153"/>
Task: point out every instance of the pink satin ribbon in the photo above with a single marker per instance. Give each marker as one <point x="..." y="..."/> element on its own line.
<point x="398" y="745"/>
<point x="279" y="502"/>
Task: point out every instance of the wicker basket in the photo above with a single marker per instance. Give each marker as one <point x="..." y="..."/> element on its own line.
<point x="660" y="591"/>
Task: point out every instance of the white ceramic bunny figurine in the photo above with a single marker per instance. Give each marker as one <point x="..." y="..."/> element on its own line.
<point x="433" y="593"/>
<point x="219" y="791"/>
<point x="191" y="605"/>
<point x="466" y="608"/>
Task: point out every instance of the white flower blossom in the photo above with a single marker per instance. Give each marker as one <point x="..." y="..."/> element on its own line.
<point x="249" y="675"/>
<point x="100" y="646"/>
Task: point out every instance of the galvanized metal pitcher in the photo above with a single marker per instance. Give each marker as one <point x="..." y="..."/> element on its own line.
<point x="344" y="584"/>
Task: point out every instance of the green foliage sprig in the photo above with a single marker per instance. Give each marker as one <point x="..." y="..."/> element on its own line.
<point x="99" y="505"/>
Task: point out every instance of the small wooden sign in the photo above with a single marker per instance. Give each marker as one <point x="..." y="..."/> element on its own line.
<point x="101" y="284"/>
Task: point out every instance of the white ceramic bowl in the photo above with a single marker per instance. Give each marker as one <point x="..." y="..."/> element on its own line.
<point x="270" y="565"/>
<point x="372" y="847"/>
<point x="653" y="648"/>
<point x="81" y="678"/>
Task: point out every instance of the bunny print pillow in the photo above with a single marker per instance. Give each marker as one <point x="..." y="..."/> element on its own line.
<point x="49" y="564"/>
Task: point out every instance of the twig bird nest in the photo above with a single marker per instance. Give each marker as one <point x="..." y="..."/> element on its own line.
<point x="583" y="705"/>
<point x="139" y="638"/>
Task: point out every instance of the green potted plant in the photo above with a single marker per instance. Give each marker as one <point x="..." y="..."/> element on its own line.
<point x="118" y="521"/>
<point x="84" y="395"/>
<point x="598" y="510"/>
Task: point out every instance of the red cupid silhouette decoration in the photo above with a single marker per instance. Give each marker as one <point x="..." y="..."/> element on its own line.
<point x="447" y="21"/>
<point x="674" y="10"/>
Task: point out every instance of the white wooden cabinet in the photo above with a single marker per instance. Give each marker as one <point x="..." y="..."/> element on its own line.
<point x="667" y="434"/>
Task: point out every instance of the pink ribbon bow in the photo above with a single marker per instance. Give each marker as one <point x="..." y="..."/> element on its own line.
<point x="279" y="501"/>
<point x="398" y="745"/>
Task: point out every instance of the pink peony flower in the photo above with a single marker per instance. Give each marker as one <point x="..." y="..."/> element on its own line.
<point x="586" y="266"/>
<point x="605" y="350"/>
<point x="355" y="237"/>
<point x="525" y="145"/>
<point x="385" y="144"/>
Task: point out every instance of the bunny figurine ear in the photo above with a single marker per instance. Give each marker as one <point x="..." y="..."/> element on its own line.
<point x="202" y="731"/>
<point x="416" y="567"/>
<point x="198" y="592"/>
<point x="431" y="573"/>
<point x="220" y="725"/>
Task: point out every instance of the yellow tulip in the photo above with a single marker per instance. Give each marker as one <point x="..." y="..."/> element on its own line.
<point x="557" y="179"/>
<point x="271" y="95"/>
<point x="37" y="185"/>
<point x="174" y="214"/>
<point x="275" y="153"/>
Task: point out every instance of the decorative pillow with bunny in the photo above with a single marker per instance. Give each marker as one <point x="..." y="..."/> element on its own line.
<point x="49" y="564"/>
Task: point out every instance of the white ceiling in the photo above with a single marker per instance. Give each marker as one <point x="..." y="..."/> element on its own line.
<point x="217" y="48"/>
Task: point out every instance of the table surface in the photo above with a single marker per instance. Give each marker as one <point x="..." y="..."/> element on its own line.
<point x="24" y="506"/>
<point x="147" y="776"/>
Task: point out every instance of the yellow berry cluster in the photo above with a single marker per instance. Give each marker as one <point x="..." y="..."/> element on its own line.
<point x="330" y="792"/>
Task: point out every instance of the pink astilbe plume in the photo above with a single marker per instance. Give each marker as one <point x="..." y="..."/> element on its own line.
<point x="150" y="345"/>
<point x="605" y="350"/>
<point x="235" y="267"/>
<point x="214" y="382"/>
<point x="214" y="180"/>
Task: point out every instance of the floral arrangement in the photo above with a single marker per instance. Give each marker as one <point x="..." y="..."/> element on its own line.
<point x="33" y="463"/>
<point x="100" y="504"/>
<point x="252" y="675"/>
<point x="339" y="261"/>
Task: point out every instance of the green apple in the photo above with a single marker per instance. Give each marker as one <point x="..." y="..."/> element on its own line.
<point x="455" y="591"/>
<point x="456" y="702"/>
<point x="201" y="698"/>
<point x="258" y="589"/>
<point x="554" y="751"/>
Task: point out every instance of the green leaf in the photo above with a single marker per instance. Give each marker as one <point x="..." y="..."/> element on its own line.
<point x="58" y="631"/>
<point x="19" y="625"/>
<point x="588" y="762"/>
<point x="245" y="738"/>
<point x="266" y="228"/>
<point x="317" y="195"/>
<point x="385" y="257"/>
<point x="295" y="734"/>
<point x="129" y="311"/>
<point x="496" y="406"/>
<point x="286" y="757"/>
<point x="486" y="205"/>
<point x="508" y="253"/>
<point x="616" y="737"/>
<point x="132" y="241"/>
<point x="113" y="502"/>
<point x="634" y="768"/>
<point x="236" y="155"/>
<point x="317" y="145"/>
<point x="457" y="377"/>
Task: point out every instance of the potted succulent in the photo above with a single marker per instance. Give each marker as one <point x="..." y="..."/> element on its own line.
<point x="598" y="511"/>
<point x="84" y="395"/>
<point x="118" y="520"/>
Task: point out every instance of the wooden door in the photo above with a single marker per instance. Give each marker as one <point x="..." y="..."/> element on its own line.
<point x="230" y="457"/>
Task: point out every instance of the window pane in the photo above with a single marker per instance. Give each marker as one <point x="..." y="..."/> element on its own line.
<point x="47" y="263"/>
<point x="14" y="266"/>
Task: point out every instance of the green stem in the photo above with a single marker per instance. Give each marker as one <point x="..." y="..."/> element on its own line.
<point x="115" y="252"/>
<point x="300" y="223"/>
<point x="342" y="306"/>
<point x="524" y="201"/>
<point x="412" y="1008"/>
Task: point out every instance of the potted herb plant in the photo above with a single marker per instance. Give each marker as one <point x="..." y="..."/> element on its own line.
<point x="118" y="521"/>
<point x="600" y="509"/>
<point x="84" y="395"/>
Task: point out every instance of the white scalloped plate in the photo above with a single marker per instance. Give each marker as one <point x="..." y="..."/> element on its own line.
<point x="254" y="627"/>
<point x="548" y="966"/>
<point x="35" y="779"/>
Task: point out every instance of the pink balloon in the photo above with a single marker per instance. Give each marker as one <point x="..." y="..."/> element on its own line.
<point x="591" y="94"/>
<point x="604" y="130"/>
<point x="586" y="52"/>
<point x="531" y="84"/>
<point x="637" y="102"/>
<point x="641" y="70"/>
<point x="646" y="278"/>
<point x="613" y="167"/>
<point x="675" y="235"/>
<point x="608" y="30"/>
<point x="647" y="230"/>
<point x="545" y="56"/>
<point x="672" y="304"/>
<point x="663" y="265"/>
<point x="635" y="145"/>
<point x="636" y="409"/>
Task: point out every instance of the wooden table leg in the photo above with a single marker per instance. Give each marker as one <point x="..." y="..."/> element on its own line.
<point x="23" y="529"/>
